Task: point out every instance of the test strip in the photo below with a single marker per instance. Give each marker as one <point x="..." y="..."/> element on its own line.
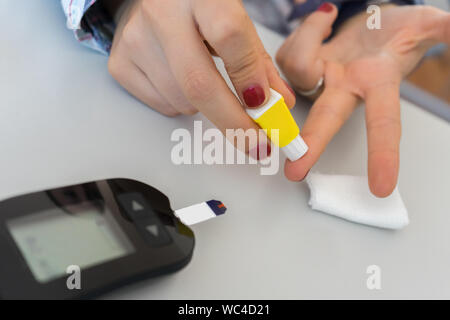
<point x="200" y="212"/>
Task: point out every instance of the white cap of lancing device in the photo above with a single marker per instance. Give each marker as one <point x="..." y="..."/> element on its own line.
<point x="295" y="149"/>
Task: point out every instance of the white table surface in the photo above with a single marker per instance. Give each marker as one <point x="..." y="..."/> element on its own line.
<point x="63" y="120"/>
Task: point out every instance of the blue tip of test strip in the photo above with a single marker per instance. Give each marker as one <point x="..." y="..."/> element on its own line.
<point x="217" y="207"/>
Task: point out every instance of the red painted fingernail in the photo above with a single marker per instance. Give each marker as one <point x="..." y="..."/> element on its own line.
<point x="254" y="96"/>
<point x="268" y="152"/>
<point x="326" y="7"/>
<point x="289" y="87"/>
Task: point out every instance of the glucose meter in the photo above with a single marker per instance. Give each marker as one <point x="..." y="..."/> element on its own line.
<point x="113" y="232"/>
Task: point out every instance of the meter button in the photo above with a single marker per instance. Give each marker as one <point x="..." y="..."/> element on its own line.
<point x="155" y="234"/>
<point x="144" y="218"/>
<point x="153" y="229"/>
<point x="135" y="206"/>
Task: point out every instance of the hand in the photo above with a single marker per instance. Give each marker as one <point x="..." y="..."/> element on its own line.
<point x="359" y="64"/>
<point x="161" y="54"/>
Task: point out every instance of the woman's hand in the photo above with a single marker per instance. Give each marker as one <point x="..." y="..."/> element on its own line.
<point x="359" y="64"/>
<point x="161" y="54"/>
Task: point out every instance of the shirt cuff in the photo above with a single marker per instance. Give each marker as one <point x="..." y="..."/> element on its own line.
<point x="91" y="23"/>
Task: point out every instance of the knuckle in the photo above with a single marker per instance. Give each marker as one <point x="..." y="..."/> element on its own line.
<point x="160" y="106"/>
<point x="169" y="112"/>
<point x="294" y="66"/>
<point x="329" y="112"/>
<point x="189" y="111"/>
<point x="383" y="123"/>
<point x="298" y="67"/>
<point x="183" y="106"/>
<point x="383" y="151"/>
<point x="280" y="58"/>
<point x="131" y="37"/>
<point x="244" y="67"/>
<point x="198" y="85"/>
<point x="114" y="66"/>
<point x="229" y="27"/>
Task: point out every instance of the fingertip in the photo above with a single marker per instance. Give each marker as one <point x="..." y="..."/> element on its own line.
<point x="296" y="171"/>
<point x="327" y="7"/>
<point x="383" y="174"/>
<point x="381" y="189"/>
<point x="327" y="12"/>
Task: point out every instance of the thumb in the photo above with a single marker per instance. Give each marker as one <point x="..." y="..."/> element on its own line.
<point x="299" y="56"/>
<point x="246" y="67"/>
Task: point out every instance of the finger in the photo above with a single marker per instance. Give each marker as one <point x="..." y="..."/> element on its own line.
<point x="149" y="57"/>
<point x="198" y="78"/>
<point x="383" y="137"/>
<point x="435" y="24"/>
<point x="327" y="115"/>
<point x="233" y="37"/>
<point x="277" y="83"/>
<point x="129" y="76"/>
<point x="299" y="56"/>
<point x="444" y="34"/>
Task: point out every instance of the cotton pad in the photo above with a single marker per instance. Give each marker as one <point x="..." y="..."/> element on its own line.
<point x="349" y="198"/>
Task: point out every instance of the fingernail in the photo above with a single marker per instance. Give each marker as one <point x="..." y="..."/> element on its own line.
<point x="256" y="152"/>
<point x="268" y="151"/>
<point x="326" y="7"/>
<point x="289" y="87"/>
<point x="254" y="96"/>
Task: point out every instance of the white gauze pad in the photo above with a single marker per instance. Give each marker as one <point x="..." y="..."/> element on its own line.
<point x="349" y="198"/>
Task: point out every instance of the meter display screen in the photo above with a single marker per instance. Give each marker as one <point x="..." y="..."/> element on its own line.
<point x="83" y="235"/>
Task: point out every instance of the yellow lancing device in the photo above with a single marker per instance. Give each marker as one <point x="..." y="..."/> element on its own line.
<point x="276" y="115"/>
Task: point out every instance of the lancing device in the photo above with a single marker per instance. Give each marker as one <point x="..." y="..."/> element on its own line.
<point x="275" y="114"/>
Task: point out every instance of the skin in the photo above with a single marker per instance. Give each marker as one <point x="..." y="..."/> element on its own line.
<point x="162" y="54"/>
<point x="370" y="71"/>
<point x="173" y="71"/>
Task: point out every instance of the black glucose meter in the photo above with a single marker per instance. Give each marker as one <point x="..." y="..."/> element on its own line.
<point x="115" y="231"/>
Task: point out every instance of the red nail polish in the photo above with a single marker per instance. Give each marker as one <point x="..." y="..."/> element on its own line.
<point x="289" y="87"/>
<point x="264" y="156"/>
<point x="254" y="96"/>
<point x="257" y="152"/>
<point x="325" y="7"/>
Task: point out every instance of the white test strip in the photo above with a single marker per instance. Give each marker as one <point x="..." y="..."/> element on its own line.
<point x="198" y="213"/>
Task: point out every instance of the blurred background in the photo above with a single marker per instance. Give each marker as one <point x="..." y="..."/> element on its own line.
<point x="432" y="77"/>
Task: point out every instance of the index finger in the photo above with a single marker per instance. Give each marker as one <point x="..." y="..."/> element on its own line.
<point x="199" y="79"/>
<point x="233" y="37"/>
<point x="327" y="115"/>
